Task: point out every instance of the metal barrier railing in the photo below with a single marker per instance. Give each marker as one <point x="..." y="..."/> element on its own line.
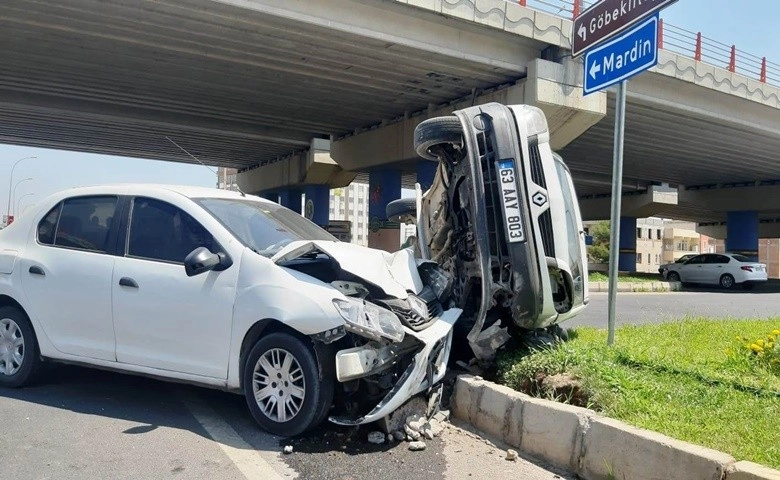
<point x="681" y="41"/>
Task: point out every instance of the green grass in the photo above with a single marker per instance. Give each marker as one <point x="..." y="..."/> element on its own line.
<point x="636" y="278"/>
<point x="680" y="379"/>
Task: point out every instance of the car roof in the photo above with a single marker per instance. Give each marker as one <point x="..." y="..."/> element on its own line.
<point x="188" y="191"/>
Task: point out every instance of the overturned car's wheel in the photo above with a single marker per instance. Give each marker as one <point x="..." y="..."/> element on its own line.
<point x="282" y="385"/>
<point x="433" y="134"/>
<point x="403" y="207"/>
<point x="19" y="356"/>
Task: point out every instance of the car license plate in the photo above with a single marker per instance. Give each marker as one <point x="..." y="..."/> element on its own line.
<point x="510" y="197"/>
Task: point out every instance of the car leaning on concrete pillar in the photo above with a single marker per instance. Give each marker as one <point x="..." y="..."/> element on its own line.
<point x="502" y="218"/>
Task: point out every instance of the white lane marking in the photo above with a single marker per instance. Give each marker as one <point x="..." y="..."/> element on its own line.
<point x="245" y="457"/>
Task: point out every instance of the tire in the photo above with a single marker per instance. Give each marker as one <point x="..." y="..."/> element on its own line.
<point x="436" y="132"/>
<point x="673" y="277"/>
<point x="401" y="207"/>
<point x="18" y="349"/>
<point x="727" y="281"/>
<point x="306" y="405"/>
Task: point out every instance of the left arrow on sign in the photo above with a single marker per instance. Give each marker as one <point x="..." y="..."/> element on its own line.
<point x="595" y="68"/>
<point x="582" y="32"/>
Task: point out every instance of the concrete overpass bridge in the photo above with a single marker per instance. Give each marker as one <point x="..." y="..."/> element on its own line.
<point x="307" y="95"/>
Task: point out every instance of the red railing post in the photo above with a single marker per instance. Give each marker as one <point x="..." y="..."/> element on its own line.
<point x="522" y="2"/>
<point x="763" y="70"/>
<point x="576" y="12"/>
<point x="697" y="53"/>
<point x="733" y="61"/>
<point x="661" y="33"/>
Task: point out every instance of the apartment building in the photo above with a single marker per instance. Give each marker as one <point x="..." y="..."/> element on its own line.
<point x="351" y="204"/>
<point x="649" y="244"/>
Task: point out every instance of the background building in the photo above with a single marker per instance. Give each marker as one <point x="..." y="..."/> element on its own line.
<point x="649" y="244"/>
<point x="680" y="238"/>
<point x="226" y="179"/>
<point x="351" y="204"/>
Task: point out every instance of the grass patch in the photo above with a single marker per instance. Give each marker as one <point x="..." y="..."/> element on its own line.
<point x="692" y="379"/>
<point x="635" y="278"/>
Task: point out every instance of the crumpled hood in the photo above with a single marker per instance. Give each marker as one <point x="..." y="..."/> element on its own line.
<point x="394" y="273"/>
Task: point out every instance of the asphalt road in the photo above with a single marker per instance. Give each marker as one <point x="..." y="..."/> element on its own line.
<point x="638" y="308"/>
<point x="78" y="423"/>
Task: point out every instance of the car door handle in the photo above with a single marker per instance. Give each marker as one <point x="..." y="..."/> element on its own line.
<point x="128" y="282"/>
<point x="36" y="270"/>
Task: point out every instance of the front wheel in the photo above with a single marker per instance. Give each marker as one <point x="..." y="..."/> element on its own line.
<point x="282" y="386"/>
<point x="19" y="356"/>
<point x="673" y="277"/>
<point x="432" y="136"/>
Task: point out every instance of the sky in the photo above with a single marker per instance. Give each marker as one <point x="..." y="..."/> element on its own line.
<point x="748" y="24"/>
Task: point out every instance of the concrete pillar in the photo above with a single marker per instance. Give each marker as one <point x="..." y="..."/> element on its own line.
<point x="290" y="198"/>
<point x="627" y="254"/>
<point x="317" y="206"/>
<point x="426" y="170"/>
<point x="384" y="186"/>
<point x="742" y="233"/>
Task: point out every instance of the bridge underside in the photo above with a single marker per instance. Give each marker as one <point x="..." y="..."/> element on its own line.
<point x="236" y="82"/>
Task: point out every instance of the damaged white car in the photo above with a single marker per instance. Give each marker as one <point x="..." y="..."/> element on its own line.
<point x="214" y="288"/>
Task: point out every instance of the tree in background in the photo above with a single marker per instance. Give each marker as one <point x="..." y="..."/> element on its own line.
<point x="598" y="252"/>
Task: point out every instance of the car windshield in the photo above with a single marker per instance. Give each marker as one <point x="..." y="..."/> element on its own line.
<point x="262" y="226"/>
<point x="741" y="258"/>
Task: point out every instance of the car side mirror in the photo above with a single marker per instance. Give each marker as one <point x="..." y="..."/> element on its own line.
<point x="201" y="260"/>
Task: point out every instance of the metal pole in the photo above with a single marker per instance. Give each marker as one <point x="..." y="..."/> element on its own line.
<point x="617" y="191"/>
<point x="10" y="185"/>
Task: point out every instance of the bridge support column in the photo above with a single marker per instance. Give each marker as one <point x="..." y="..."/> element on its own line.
<point x="317" y="207"/>
<point x="742" y="233"/>
<point x="627" y="254"/>
<point x="272" y="196"/>
<point x="384" y="186"/>
<point x="290" y="198"/>
<point x="426" y="170"/>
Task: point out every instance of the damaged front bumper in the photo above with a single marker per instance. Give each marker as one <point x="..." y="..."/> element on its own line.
<point x="425" y="371"/>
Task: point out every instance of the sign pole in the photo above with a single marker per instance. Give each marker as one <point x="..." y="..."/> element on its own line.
<point x="617" y="192"/>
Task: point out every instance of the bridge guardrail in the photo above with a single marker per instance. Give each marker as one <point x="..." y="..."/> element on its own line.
<point x="681" y="41"/>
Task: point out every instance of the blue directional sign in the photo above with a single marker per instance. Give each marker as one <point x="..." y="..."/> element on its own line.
<point x="625" y="56"/>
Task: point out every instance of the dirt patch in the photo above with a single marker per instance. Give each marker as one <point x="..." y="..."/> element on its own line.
<point x="562" y="387"/>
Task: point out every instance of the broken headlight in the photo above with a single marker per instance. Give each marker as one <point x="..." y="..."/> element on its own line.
<point x="369" y="320"/>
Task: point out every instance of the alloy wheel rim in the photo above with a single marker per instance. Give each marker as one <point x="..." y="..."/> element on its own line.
<point x="728" y="282"/>
<point x="278" y="385"/>
<point x="11" y="347"/>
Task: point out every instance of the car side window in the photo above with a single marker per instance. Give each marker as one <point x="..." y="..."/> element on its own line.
<point x="722" y="259"/>
<point x="48" y="225"/>
<point x="84" y="223"/>
<point x="161" y="231"/>
<point x="699" y="259"/>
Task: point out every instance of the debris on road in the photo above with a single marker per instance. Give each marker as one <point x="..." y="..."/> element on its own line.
<point x="511" y="455"/>
<point x="417" y="446"/>
<point x="376" y="438"/>
<point x="288" y="449"/>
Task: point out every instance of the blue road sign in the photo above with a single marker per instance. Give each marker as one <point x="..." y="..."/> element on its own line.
<point x="625" y="56"/>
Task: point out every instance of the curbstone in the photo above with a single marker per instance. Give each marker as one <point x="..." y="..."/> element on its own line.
<point x="586" y="443"/>
<point x="551" y="430"/>
<point x="751" y="471"/>
<point x="613" y="449"/>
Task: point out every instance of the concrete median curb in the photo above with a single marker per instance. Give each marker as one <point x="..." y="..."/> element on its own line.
<point x="588" y="444"/>
<point x="637" y="286"/>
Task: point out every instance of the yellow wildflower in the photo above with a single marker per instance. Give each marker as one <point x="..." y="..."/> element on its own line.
<point x="760" y="342"/>
<point x="756" y="348"/>
<point x="775" y="332"/>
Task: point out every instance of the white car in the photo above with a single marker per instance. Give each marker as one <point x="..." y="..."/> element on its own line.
<point x="726" y="270"/>
<point x="222" y="290"/>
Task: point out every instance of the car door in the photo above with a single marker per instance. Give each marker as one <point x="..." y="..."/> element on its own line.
<point x="691" y="271"/>
<point x="714" y="268"/>
<point x="66" y="275"/>
<point x="163" y="318"/>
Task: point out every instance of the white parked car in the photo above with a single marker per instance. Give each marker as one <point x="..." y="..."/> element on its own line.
<point x="726" y="270"/>
<point x="218" y="289"/>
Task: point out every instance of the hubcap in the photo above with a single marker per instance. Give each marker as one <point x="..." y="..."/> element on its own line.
<point x="278" y="385"/>
<point x="11" y="347"/>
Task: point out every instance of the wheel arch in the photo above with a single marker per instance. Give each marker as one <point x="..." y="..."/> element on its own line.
<point x="256" y="332"/>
